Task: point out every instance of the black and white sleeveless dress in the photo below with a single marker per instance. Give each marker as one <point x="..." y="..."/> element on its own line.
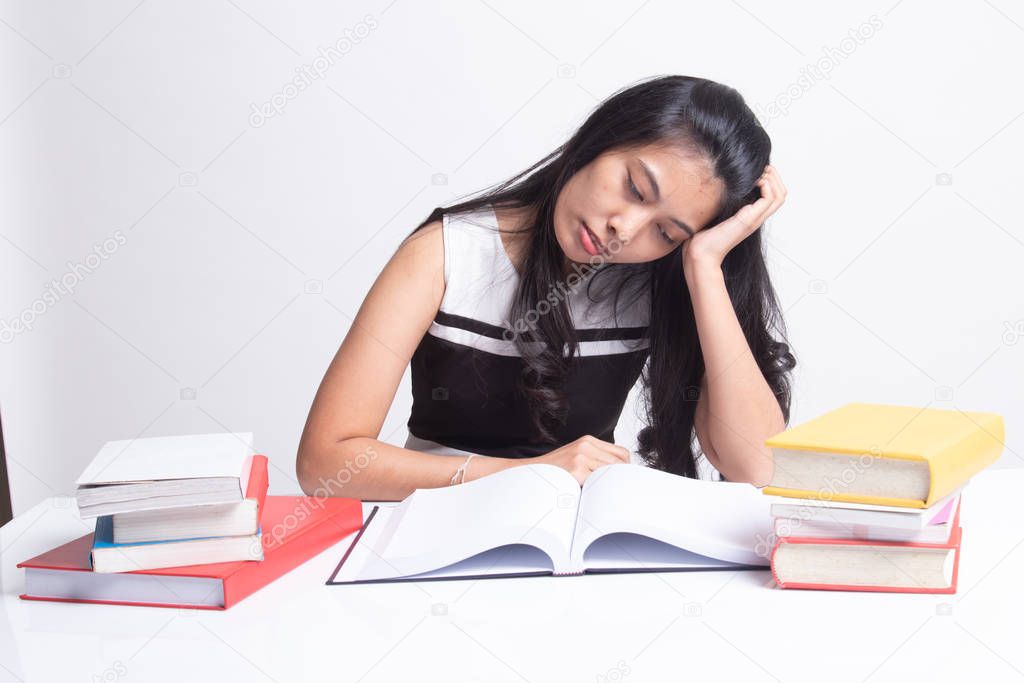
<point x="465" y="369"/>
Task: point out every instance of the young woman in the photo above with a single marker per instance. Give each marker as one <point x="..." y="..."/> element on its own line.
<point x="528" y="313"/>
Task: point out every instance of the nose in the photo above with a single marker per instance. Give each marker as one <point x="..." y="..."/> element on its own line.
<point x="625" y="226"/>
<point x="619" y="234"/>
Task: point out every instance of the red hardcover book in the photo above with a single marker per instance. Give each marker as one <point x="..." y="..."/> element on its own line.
<point x="294" y="529"/>
<point x="259" y="482"/>
<point x="878" y="559"/>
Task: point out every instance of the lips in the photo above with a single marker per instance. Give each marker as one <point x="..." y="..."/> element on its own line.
<point x="593" y="238"/>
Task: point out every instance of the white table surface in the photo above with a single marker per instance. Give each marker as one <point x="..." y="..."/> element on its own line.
<point x="694" y="625"/>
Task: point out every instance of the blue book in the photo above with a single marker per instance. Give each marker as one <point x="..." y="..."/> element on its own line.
<point x="109" y="557"/>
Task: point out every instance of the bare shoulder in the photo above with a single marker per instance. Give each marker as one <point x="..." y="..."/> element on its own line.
<point x="422" y="251"/>
<point x="429" y="237"/>
<point x="411" y="286"/>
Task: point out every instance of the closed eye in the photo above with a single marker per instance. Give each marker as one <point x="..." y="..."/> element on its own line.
<point x="636" y="193"/>
<point x="632" y="187"/>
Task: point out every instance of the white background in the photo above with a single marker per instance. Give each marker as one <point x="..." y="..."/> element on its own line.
<point x="247" y="249"/>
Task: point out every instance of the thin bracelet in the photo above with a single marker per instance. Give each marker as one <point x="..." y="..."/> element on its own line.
<point x="461" y="470"/>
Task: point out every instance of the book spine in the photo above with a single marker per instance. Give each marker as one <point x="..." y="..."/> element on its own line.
<point x="259" y="481"/>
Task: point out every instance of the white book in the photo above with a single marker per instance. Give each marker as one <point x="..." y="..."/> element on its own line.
<point x="536" y="519"/>
<point x="164" y="472"/>
<point x="828" y="512"/>
<point x="933" y="533"/>
<point x="108" y="557"/>
<point x="193" y="521"/>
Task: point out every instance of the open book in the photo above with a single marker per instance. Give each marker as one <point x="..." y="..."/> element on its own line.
<point x="533" y="520"/>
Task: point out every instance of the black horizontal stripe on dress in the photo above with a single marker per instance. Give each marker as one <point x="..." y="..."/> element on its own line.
<point x="496" y="332"/>
<point x="467" y="398"/>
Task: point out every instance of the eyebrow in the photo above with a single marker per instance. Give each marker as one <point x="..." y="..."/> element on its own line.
<point x="657" y="196"/>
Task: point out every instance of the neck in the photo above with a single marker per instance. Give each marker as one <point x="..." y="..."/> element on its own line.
<point x="511" y="224"/>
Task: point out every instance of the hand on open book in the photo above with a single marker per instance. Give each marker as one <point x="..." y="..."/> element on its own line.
<point x="583" y="456"/>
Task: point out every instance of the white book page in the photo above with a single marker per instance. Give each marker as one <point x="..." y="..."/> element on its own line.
<point x="624" y="551"/>
<point x="727" y="521"/>
<point x="363" y="565"/>
<point x="161" y="589"/>
<point x="787" y="528"/>
<point x="159" y="503"/>
<point x="170" y="457"/>
<point x="516" y="559"/>
<point x="435" y="528"/>
<point x="96" y="495"/>
<point x="862" y="513"/>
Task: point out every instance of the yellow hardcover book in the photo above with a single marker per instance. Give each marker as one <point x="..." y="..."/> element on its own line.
<point x="884" y="454"/>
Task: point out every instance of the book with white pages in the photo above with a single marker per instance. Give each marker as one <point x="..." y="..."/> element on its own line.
<point x="894" y="517"/>
<point x="940" y="530"/>
<point x="535" y="520"/>
<point x="164" y="472"/>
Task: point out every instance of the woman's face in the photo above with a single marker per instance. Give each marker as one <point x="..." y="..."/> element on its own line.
<point x="640" y="203"/>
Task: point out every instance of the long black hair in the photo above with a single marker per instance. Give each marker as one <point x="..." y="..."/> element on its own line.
<point x="700" y="115"/>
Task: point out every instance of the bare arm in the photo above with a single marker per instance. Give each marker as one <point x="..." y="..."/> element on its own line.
<point x="339" y="453"/>
<point x="737" y="409"/>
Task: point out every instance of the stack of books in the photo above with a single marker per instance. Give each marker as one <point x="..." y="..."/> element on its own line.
<point x="172" y="501"/>
<point x="874" y="494"/>
<point x="184" y="521"/>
